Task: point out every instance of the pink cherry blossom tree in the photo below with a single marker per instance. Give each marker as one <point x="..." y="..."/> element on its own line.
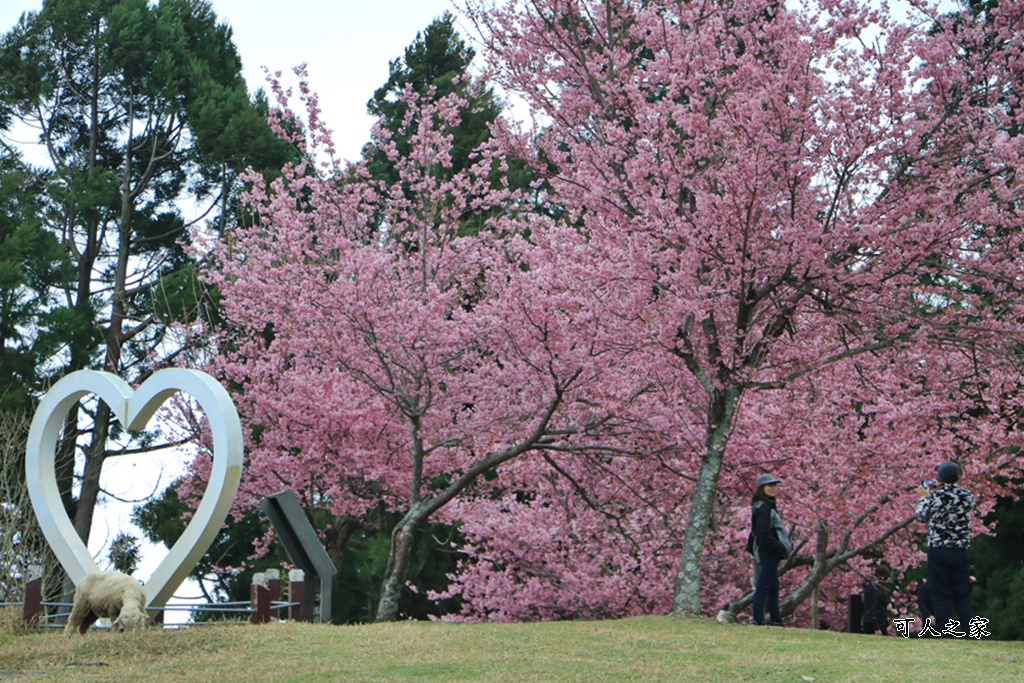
<point x="386" y="354"/>
<point x="814" y="210"/>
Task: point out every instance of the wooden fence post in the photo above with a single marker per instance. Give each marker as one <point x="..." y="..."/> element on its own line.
<point x="259" y="596"/>
<point x="33" y="596"/>
<point x="274" y="588"/>
<point x="297" y="595"/>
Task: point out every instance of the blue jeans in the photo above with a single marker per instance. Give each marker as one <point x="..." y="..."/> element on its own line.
<point x="949" y="580"/>
<point x="766" y="592"/>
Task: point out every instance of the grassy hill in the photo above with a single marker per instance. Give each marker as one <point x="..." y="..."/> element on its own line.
<point x="641" y="649"/>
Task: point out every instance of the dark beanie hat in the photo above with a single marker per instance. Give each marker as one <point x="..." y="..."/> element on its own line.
<point x="948" y="472"/>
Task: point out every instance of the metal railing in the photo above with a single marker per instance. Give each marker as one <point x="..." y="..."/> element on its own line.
<point x="263" y="606"/>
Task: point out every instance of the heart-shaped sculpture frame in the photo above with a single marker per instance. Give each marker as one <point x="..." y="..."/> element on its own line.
<point x="134" y="409"/>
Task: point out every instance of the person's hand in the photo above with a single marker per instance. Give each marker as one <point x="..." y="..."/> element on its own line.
<point x="922" y="492"/>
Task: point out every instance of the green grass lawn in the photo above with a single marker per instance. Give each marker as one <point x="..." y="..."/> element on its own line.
<point x="641" y="649"/>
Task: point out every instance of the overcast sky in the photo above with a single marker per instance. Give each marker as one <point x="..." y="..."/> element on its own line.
<point x="346" y="43"/>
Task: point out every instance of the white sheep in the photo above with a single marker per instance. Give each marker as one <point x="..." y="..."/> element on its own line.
<point x="108" y="595"/>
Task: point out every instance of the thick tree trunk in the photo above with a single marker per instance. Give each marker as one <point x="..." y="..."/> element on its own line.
<point x="686" y="594"/>
<point x="64" y="464"/>
<point x="90" y="489"/>
<point x="402" y="540"/>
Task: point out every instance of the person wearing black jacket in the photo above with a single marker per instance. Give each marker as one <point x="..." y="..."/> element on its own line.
<point x="876" y="609"/>
<point x="771" y="545"/>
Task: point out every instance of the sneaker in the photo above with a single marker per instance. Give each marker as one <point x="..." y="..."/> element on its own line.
<point x="777" y="623"/>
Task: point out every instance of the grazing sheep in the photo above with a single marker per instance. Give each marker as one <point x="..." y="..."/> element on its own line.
<point x="108" y="595"/>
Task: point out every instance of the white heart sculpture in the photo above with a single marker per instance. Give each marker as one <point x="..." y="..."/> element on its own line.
<point x="134" y="410"/>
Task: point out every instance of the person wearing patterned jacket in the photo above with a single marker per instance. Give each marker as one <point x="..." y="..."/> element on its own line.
<point x="946" y="507"/>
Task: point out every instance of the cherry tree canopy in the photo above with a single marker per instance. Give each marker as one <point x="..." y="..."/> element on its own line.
<point x="787" y="242"/>
<point x="395" y="365"/>
<point x="818" y="206"/>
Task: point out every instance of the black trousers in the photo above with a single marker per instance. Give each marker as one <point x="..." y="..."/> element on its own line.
<point x="949" y="580"/>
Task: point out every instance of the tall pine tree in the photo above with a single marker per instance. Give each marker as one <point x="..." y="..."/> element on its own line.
<point x="140" y="110"/>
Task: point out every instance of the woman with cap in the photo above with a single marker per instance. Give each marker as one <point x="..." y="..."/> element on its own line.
<point x="771" y="546"/>
<point x="946" y="507"/>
